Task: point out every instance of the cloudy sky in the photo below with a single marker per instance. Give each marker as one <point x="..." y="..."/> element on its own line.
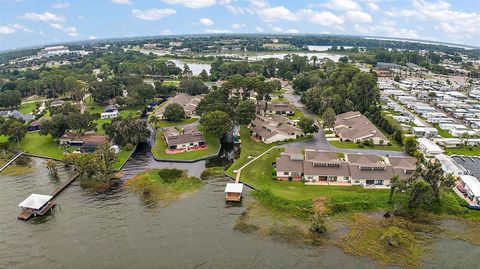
<point x="34" y="22"/>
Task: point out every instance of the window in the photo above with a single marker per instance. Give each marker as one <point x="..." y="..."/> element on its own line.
<point x="285" y="173"/>
<point x="379" y="182"/>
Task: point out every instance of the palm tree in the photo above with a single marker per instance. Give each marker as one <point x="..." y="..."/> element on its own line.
<point x="314" y="60"/>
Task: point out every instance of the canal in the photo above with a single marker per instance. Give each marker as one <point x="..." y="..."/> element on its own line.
<point x="117" y="230"/>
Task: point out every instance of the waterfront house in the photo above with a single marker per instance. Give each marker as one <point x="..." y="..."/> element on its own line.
<point x="355" y="127"/>
<point x="288" y="167"/>
<point x="369" y="170"/>
<point x="187" y="101"/>
<point x="189" y="139"/>
<point x="450" y="166"/>
<point x="324" y="166"/>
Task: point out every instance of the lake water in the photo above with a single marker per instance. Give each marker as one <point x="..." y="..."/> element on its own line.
<point x="117" y="230"/>
<point x="281" y="55"/>
<point x="195" y="67"/>
<point x="324" y="48"/>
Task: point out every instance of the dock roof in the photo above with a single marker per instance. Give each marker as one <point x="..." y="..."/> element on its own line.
<point x="234" y="187"/>
<point x="35" y="201"/>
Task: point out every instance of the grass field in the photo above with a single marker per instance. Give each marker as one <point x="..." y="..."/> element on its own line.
<point x="164" y="123"/>
<point x="171" y="83"/>
<point x="213" y="144"/>
<point x="297" y="116"/>
<point x="3" y="138"/>
<point x="442" y="133"/>
<point x="351" y="145"/>
<point x="27" y="108"/>
<point x="463" y="150"/>
<point x="37" y="144"/>
<point x="279" y="92"/>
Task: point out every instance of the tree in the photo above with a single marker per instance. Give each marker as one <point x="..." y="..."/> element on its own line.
<point x="343" y="59"/>
<point x="140" y="94"/>
<point x="102" y="91"/>
<point x="217" y="123"/>
<point x="174" y="112"/>
<point x="192" y="86"/>
<point x="52" y="169"/>
<point x="10" y="98"/>
<point x="307" y="124"/>
<point x="84" y="164"/>
<point x="56" y="126"/>
<point x="81" y="123"/>
<point x="246" y="112"/>
<point x="396" y="185"/>
<point x="420" y="194"/>
<point x="203" y="75"/>
<point x="396" y="78"/>
<point x="14" y="129"/>
<point x="75" y="87"/>
<point x="329" y="118"/>
<point x="411" y="146"/>
<point x="105" y="158"/>
<point x="129" y="130"/>
<point x="433" y="174"/>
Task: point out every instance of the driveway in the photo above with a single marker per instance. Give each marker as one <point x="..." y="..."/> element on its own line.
<point x="319" y="140"/>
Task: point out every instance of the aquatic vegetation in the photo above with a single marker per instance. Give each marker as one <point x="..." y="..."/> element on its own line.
<point x="162" y="185"/>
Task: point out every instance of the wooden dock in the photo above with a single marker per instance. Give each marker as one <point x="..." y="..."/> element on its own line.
<point x="11" y="161"/>
<point x="64" y="185"/>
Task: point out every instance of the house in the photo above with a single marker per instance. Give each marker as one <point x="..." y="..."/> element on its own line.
<point x="355" y="127"/>
<point x="448" y="142"/>
<point x="269" y="130"/>
<point x="17" y="115"/>
<point x="111" y="109"/>
<point x="450" y="166"/>
<point x="71" y="139"/>
<point x="57" y="103"/>
<point x="187" y="101"/>
<point x="325" y="166"/>
<point x="426" y="132"/>
<point x="189" y="139"/>
<point x="288" y="167"/>
<point x="275" y="108"/>
<point x="91" y="142"/>
<point x="470" y="187"/>
<point x="403" y="167"/>
<point x="109" y="115"/>
<point x="35" y="125"/>
<point x="428" y="147"/>
<point x="369" y="170"/>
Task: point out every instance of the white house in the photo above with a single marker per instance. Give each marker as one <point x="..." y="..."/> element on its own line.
<point x="450" y="166"/>
<point x="427" y="132"/>
<point x="109" y="115"/>
<point x="428" y="147"/>
<point x="471" y="187"/>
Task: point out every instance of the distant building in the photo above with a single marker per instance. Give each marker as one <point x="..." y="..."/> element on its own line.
<point x="274" y="129"/>
<point x="428" y="147"/>
<point x="188" y="102"/>
<point x="275" y="108"/>
<point x="190" y="139"/>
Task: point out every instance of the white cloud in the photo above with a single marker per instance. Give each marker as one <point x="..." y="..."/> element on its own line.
<point x="60" y="5"/>
<point x="4" y="30"/>
<point x="193" y="3"/>
<point x="277" y="29"/>
<point x="345" y="5"/>
<point x="239" y="10"/>
<point x="238" y="25"/>
<point x="217" y="31"/>
<point x="259" y="29"/>
<point x="45" y="17"/>
<point x="80" y="17"/>
<point x="325" y="18"/>
<point x="70" y="30"/>
<point x="166" y="32"/>
<point x="373" y="6"/>
<point x="21" y="27"/>
<point x="122" y="2"/>
<point x="292" y="31"/>
<point x="387" y="28"/>
<point x="358" y="16"/>
<point x="271" y="14"/>
<point x="92" y="37"/>
<point x="153" y="14"/>
<point x="206" y="21"/>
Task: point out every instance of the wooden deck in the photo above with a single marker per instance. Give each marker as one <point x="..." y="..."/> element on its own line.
<point x="25" y="215"/>
<point x="63" y="185"/>
<point x="233" y="197"/>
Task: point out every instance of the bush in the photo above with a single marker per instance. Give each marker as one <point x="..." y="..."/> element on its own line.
<point x="129" y="146"/>
<point x="171" y="175"/>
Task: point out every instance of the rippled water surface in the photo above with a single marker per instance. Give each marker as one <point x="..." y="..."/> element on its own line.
<point x="116" y="230"/>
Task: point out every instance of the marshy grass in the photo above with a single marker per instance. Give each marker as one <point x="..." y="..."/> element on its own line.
<point x="162" y="185"/>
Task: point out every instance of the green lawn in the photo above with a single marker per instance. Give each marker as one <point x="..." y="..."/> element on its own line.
<point x="122" y="157"/>
<point x="27" y="108"/>
<point x="93" y="107"/>
<point x="279" y="92"/>
<point x="171" y="83"/>
<point x="442" y="133"/>
<point x="297" y="116"/>
<point x="280" y="100"/>
<point x="351" y="145"/>
<point x="213" y="144"/>
<point x="164" y="123"/>
<point x="37" y="144"/>
<point x="3" y="138"/>
<point x="463" y="150"/>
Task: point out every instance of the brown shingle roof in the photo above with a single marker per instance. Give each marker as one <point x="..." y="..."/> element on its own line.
<point x="341" y="170"/>
<point x="353" y="125"/>
<point x="284" y="163"/>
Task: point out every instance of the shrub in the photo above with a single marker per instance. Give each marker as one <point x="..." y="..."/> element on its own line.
<point x="129" y="146"/>
<point x="171" y="175"/>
